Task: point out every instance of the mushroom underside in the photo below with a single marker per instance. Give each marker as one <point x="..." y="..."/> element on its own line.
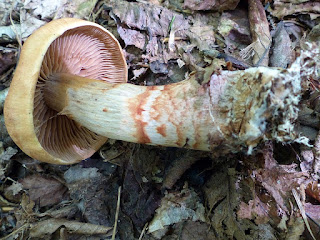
<point x="87" y="52"/>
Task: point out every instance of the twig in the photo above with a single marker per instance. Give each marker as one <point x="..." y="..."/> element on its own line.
<point x="302" y="211"/>
<point x="17" y="231"/>
<point x="143" y="231"/>
<point x="117" y="215"/>
<point x="18" y="37"/>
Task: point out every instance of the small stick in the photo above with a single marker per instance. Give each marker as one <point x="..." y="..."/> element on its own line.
<point x="117" y="215"/>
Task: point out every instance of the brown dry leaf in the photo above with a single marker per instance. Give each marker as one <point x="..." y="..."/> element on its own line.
<point x="261" y="38"/>
<point x="234" y="27"/>
<point x="139" y="197"/>
<point x="76" y="9"/>
<point x="308" y="157"/>
<point x="88" y="186"/>
<point x="190" y="230"/>
<point x="277" y="179"/>
<point x="132" y="37"/>
<point x="282" y="49"/>
<point x="284" y="8"/>
<point x="25" y="214"/>
<point x="153" y="22"/>
<point x="8" y="57"/>
<point x="45" y="191"/>
<point x="5" y="156"/>
<point x="178" y="167"/>
<point x="255" y="209"/>
<point x="313" y="190"/>
<point x="314" y="34"/>
<point x="218" y="5"/>
<point x="313" y="212"/>
<point x="14" y="188"/>
<point x="27" y="204"/>
<point x="296" y="229"/>
<point x="8" y="154"/>
<point x="35" y="13"/>
<point x="46" y="228"/>
<point x="147" y="17"/>
<point x="176" y="207"/>
<point x="222" y="194"/>
<point x="202" y="37"/>
<point x="158" y="21"/>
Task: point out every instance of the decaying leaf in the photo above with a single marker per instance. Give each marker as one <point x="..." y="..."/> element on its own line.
<point x="218" y="5"/>
<point x="176" y="207"/>
<point x="255" y="210"/>
<point x="314" y="34"/>
<point x="261" y="38"/>
<point x="222" y="194"/>
<point x="277" y="179"/>
<point x="282" y="49"/>
<point x="8" y="57"/>
<point x="15" y="188"/>
<point x="35" y="13"/>
<point x="284" y="8"/>
<point x="193" y="230"/>
<point x="8" y="154"/>
<point x="25" y="213"/>
<point x="132" y="37"/>
<point x="44" y="191"/>
<point x="151" y="18"/>
<point x="46" y="228"/>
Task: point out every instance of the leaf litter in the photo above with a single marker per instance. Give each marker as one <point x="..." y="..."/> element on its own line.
<point x="169" y="193"/>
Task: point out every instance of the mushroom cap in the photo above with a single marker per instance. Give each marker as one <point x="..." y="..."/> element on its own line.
<point x="62" y="46"/>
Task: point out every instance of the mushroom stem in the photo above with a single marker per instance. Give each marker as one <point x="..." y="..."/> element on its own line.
<point x="173" y="115"/>
<point x="231" y="110"/>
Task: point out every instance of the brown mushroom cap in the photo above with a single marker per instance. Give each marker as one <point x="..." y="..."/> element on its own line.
<point x="62" y="46"/>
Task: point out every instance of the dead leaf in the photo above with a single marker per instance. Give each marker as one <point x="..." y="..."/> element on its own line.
<point x="25" y="213"/>
<point x="282" y="49"/>
<point x="255" y="210"/>
<point x="194" y="230"/>
<point x="8" y="154"/>
<point x="45" y="191"/>
<point x="7" y="59"/>
<point x="147" y="17"/>
<point x="87" y="185"/>
<point x="218" y="5"/>
<point x="15" y="188"/>
<point x="261" y="38"/>
<point x="45" y="228"/>
<point x="176" y="207"/>
<point x="138" y="72"/>
<point x="202" y="37"/>
<point x="35" y="13"/>
<point x="282" y="8"/>
<point x="159" y="67"/>
<point x="132" y="37"/>
<point x="139" y="199"/>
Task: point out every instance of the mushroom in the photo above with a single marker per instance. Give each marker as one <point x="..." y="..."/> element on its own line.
<point x="69" y="94"/>
<point x="70" y="46"/>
